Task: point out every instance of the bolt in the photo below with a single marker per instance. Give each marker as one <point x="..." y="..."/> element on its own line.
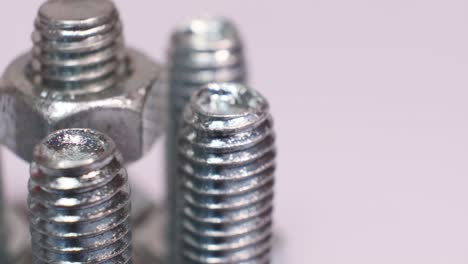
<point x="77" y="50"/>
<point x="202" y="51"/>
<point x="79" y="200"/>
<point x="80" y="74"/>
<point x="227" y="162"/>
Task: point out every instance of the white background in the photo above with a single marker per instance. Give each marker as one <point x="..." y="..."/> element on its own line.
<point x="370" y="100"/>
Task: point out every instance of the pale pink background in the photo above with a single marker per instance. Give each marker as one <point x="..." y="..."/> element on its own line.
<point x="370" y="100"/>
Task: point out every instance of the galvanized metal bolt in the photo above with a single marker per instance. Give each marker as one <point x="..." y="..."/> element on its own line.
<point x="227" y="162"/>
<point x="80" y="74"/>
<point x="202" y="51"/>
<point x="79" y="200"/>
<point x="77" y="46"/>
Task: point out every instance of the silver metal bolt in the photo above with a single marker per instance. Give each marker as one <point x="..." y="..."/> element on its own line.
<point x="79" y="200"/>
<point x="202" y="51"/>
<point x="227" y="162"/>
<point x="80" y="74"/>
<point x="78" y="46"/>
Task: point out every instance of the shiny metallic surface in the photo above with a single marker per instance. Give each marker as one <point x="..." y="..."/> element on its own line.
<point x="202" y="51"/>
<point x="78" y="46"/>
<point x="79" y="200"/>
<point x="148" y="226"/>
<point x="227" y="163"/>
<point x="79" y="74"/>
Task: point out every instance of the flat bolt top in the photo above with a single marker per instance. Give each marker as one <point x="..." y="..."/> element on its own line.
<point x="228" y="100"/>
<point x="211" y="29"/>
<point x="73" y="148"/>
<point x="72" y="13"/>
<point x="207" y="33"/>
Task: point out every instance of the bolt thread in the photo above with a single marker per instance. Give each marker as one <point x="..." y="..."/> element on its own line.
<point x="202" y="51"/>
<point x="79" y="200"/>
<point x="77" y="52"/>
<point x="226" y="165"/>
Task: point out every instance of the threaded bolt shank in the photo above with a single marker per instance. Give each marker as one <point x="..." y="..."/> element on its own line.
<point x="78" y="46"/>
<point x="79" y="200"/>
<point x="226" y="165"/>
<point x="202" y="51"/>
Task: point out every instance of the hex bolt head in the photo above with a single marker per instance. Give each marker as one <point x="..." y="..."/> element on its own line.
<point x="79" y="74"/>
<point x="79" y="200"/>
<point x="227" y="162"/>
<point x="202" y="50"/>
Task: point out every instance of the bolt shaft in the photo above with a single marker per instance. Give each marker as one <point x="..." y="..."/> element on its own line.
<point x="202" y="51"/>
<point x="78" y="45"/>
<point x="79" y="200"/>
<point x="226" y="165"/>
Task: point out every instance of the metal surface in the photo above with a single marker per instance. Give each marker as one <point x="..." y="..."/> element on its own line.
<point x="79" y="200"/>
<point x="79" y="74"/>
<point x="227" y="162"/>
<point x="148" y="230"/>
<point x="202" y="51"/>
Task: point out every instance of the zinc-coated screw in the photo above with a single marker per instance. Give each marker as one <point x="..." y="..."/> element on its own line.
<point x="202" y="51"/>
<point x="79" y="200"/>
<point x="80" y="74"/>
<point x="77" y="50"/>
<point x="227" y="162"/>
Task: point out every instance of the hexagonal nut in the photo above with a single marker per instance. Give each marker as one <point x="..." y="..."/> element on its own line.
<point x="131" y="112"/>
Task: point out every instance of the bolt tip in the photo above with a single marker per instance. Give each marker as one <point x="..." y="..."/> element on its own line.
<point x="73" y="148"/>
<point x="78" y="47"/>
<point x="206" y="31"/>
<point x="72" y="13"/>
<point x="228" y="100"/>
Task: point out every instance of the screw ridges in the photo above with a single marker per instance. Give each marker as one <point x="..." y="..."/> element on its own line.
<point x="79" y="200"/>
<point x="202" y="51"/>
<point x="78" y="46"/>
<point x="227" y="164"/>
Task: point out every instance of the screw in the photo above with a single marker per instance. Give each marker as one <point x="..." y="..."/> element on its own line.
<point x="202" y="51"/>
<point x="227" y="162"/>
<point x="80" y="74"/>
<point x="79" y="200"/>
<point x="77" y="46"/>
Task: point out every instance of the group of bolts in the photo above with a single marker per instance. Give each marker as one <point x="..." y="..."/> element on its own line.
<point x="80" y="106"/>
